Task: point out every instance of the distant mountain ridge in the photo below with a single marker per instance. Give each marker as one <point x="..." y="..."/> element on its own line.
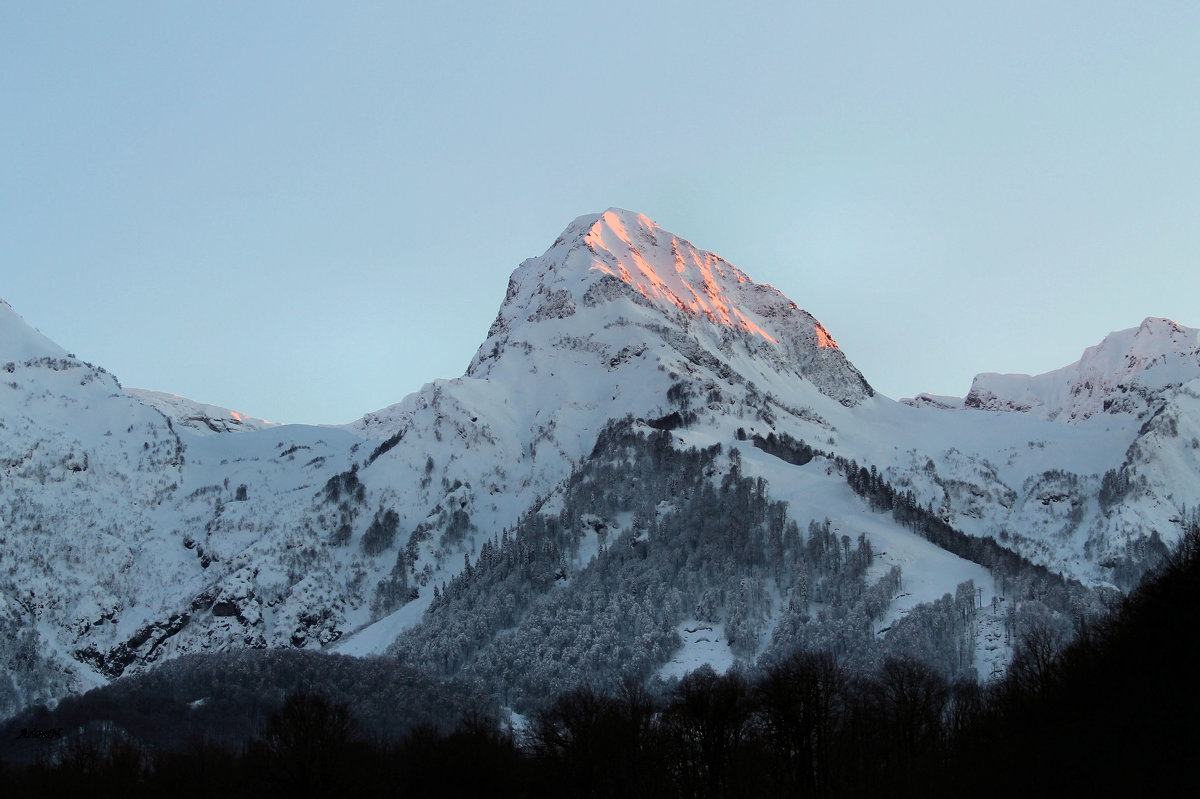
<point x="198" y="416"/>
<point x="1128" y="372"/>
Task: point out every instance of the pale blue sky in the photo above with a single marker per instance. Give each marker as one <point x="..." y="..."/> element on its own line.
<point x="304" y="211"/>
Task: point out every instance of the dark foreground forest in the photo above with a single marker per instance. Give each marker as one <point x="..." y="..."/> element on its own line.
<point x="1114" y="714"/>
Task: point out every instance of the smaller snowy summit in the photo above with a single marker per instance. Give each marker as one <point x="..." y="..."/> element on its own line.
<point x="938" y="401"/>
<point x="1129" y="372"/>
<point x="1125" y="373"/>
<point x="198" y="416"/>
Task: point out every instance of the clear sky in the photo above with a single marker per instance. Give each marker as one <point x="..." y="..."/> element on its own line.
<point x="304" y="211"/>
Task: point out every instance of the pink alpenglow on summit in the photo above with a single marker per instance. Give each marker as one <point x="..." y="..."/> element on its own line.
<point x="619" y="268"/>
<point x="691" y="281"/>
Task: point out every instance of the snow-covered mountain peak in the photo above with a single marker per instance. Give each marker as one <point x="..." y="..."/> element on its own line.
<point x="20" y="342"/>
<point x="1129" y="351"/>
<point x="665" y="270"/>
<point x="621" y="268"/>
<point x="626" y="246"/>
<point x="1127" y="373"/>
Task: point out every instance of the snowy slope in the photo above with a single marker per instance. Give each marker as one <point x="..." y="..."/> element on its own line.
<point x="1079" y="467"/>
<point x="20" y="342"/>
<point x="81" y="464"/>
<point x="114" y="527"/>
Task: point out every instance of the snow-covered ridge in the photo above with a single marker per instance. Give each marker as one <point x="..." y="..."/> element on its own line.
<point x="1124" y="373"/>
<point x="198" y="416"/>
<point x="938" y="401"/>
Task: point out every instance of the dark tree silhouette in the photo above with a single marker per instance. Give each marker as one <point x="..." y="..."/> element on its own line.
<point x="306" y="744"/>
<point x="797" y="702"/>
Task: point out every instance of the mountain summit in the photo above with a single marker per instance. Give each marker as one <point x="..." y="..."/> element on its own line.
<point x="621" y="267"/>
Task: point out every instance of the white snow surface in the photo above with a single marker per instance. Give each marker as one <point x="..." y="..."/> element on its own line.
<point x="704" y="644"/>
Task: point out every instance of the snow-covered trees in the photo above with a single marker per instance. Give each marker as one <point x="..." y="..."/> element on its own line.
<point x="381" y="532"/>
<point x="574" y="595"/>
